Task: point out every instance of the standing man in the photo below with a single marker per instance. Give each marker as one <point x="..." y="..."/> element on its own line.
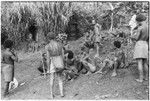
<point x="9" y="57"/>
<point x="141" y="37"/>
<point x="55" y="63"/>
<point x="97" y="36"/>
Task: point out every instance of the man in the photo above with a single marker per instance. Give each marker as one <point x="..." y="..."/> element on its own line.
<point x="141" y="37"/>
<point x="97" y="36"/>
<point x="55" y="63"/>
<point x="9" y="57"/>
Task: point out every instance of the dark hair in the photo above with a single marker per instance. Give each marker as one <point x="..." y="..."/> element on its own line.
<point x="8" y="44"/>
<point x="135" y="12"/>
<point x="43" y="54"/>
<point x="53" y="37"/>
<point x="117" y="44"/>
<point x="140" y="18"/>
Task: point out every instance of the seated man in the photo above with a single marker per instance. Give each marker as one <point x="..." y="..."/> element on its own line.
<point x="117" y="62"/>
<point x="70" y="69"/>
<point x="89" y="61"/>
<point x="74" y="67"/>
<point x="88" y="41"/>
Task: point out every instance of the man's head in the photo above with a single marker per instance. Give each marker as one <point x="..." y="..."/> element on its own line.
<point x="117" y="44"/>
<point x="44" y="55"/>
<point x="140" y="18"/>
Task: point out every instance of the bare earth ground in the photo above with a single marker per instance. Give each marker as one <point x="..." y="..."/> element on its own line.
<point x="92" y="87"/>
<point x="86" y="87"/>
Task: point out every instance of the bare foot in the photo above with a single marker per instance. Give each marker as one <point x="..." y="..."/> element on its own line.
<point x="62" y="95"/>
<point x="138" y="80"/>
<point x="114" y="74"/>
<point x="146" y="78"/>
<point x="52" y="96"/>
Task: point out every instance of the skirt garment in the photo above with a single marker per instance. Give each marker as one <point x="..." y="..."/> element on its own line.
<point x="8" y="72"/>
<point x="56" y="64"/>
<point x="141" y="50"/>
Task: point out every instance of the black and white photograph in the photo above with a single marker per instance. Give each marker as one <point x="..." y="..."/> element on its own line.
<point x="74" y="50"/>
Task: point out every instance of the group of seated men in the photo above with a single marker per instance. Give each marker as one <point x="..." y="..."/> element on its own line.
<point x="85" y="62"/>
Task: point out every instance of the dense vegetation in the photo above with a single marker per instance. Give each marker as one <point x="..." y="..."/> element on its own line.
<point x="43" y="19"/>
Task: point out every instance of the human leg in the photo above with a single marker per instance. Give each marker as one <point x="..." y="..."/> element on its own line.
<point x="60" y="82"/>
<point x="146" y="69"/>
<point x="6" y="89"/>
<point x="140" y="69"/>
<point x="51" y="84"/>
<point x="103" y="66"/>
<point x="8" y="73"/>
<point x="97" y="49"/>
<point x="115" y="69"/>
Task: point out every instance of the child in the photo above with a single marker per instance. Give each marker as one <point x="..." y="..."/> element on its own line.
<point x="8" y="59"/>
<point x="117" y="62"/>
<point x="43" y="65"/>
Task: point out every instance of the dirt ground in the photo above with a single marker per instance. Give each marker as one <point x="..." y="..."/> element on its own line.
<point x="91" y="87"/>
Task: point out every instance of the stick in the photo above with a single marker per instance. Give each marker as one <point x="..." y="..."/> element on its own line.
<point x="44" y="69"/>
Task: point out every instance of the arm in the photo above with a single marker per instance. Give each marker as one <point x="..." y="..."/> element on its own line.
<point x="63" y="53"/>
<point x="14" y="57"/>
<point x="136" y="35"/>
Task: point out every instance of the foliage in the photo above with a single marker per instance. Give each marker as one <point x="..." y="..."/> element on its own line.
<point x="17" y="17"/>
<point x="54" y="17"/>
